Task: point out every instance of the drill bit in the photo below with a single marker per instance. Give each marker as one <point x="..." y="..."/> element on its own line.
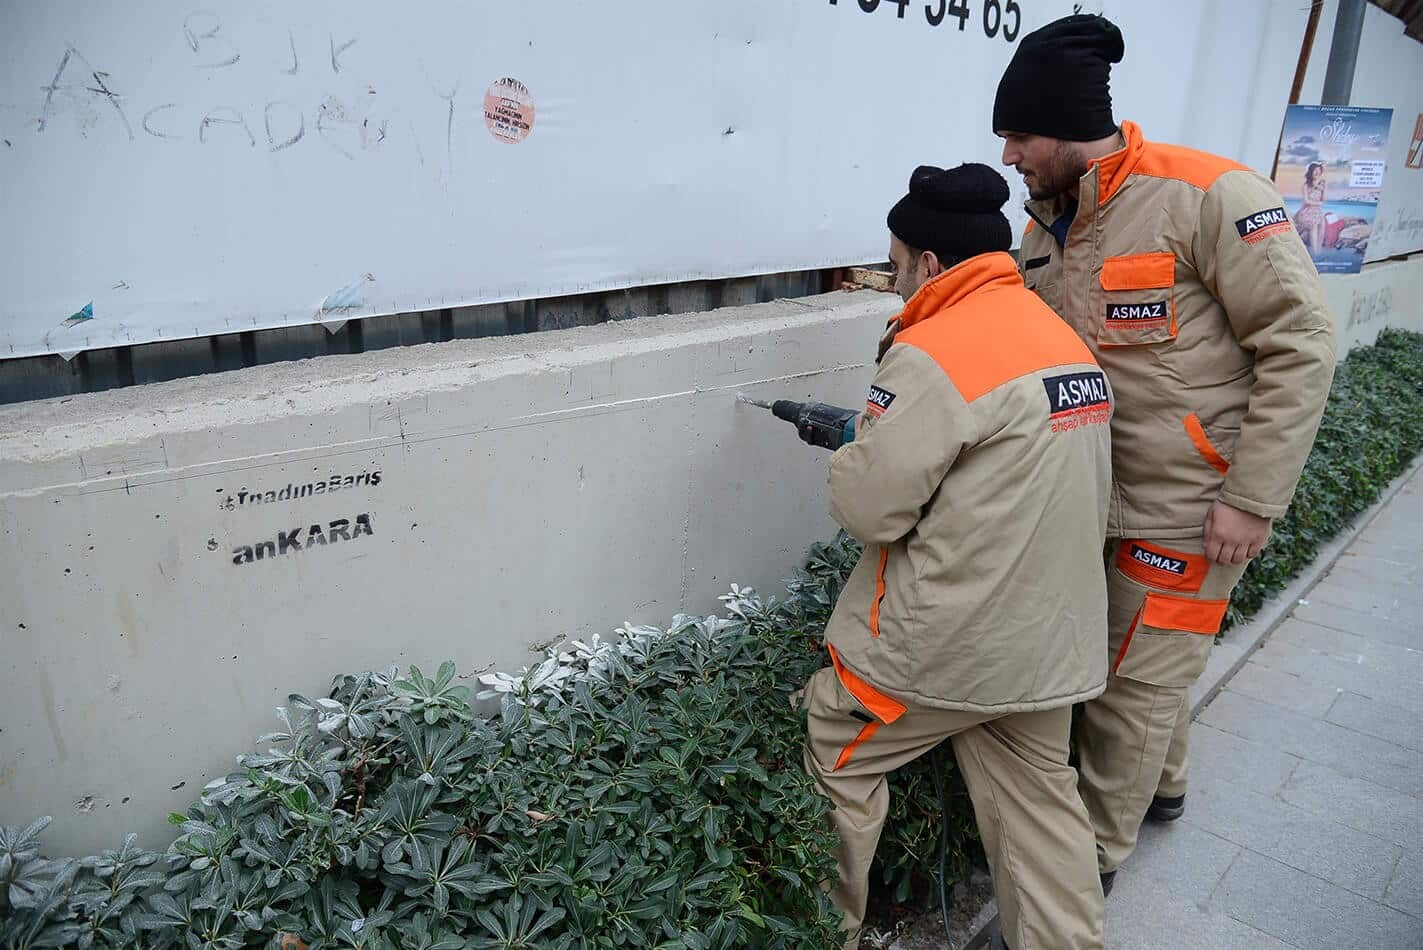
<point x="753" y="402"/>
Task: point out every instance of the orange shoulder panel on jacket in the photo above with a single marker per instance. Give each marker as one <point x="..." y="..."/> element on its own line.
<point x="1029" y="229"/>
<point x="992" y="338"/>
<point x="1200" y="169"/>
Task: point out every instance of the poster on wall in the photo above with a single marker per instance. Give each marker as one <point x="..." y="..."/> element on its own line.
<point x="1331" y="169"/>
<point x="1415" y="148"/>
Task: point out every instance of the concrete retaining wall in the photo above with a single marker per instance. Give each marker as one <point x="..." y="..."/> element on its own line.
<point x="472" y="500"/>
<point x="1387" y="294"/>
<point x="477" y="501"/>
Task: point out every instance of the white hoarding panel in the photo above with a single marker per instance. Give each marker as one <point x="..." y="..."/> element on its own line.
<point x="175" y="171"/>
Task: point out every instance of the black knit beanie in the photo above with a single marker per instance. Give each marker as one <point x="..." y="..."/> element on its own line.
<point x="956" y="213"/>
<point x="1057" y="84"/>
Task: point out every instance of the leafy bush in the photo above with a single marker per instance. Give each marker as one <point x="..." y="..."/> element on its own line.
<point x="1372" y="429"/>
<point x="647" y="792"/>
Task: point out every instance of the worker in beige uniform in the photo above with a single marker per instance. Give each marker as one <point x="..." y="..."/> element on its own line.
<point x="977" y="478"/>
<point x="1183" y="274"/>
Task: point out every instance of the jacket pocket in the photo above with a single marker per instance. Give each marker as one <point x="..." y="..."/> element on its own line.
<point x="1138" y="302"/>
<point x="1170" y="640"/>
<point x="878" y="708"/>
<point x="1204" y="446"/>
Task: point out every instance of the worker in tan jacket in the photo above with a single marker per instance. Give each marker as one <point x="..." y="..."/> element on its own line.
<point x="1184" y="276"/>
<point x="978" y="481"/>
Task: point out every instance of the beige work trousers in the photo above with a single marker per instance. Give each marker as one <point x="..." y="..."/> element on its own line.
<point x="1165" y="603"/>
<point x="1030" y="817"/>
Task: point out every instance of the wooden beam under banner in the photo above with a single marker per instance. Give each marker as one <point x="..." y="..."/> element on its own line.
<point x="862" y="278"/>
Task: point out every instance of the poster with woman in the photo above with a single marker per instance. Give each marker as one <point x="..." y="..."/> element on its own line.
<point x="1330" y="172"/>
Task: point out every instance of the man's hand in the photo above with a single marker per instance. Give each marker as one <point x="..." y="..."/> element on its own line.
<point x="1233" y="536"/>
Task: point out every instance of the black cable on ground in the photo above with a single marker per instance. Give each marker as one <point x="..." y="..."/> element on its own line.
<point x="937" y="766"/>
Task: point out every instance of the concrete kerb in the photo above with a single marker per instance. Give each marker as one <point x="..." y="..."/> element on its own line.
<point x="1234" y="650"/>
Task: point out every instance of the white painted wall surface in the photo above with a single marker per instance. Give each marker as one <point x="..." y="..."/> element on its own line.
<point x="531" y="488"/>
<point x="191" y="170"/>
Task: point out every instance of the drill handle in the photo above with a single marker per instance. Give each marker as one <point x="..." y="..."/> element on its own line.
<point x="828" y="427"/>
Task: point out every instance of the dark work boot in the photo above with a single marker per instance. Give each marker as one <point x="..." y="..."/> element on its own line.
<point x="1108" y="879"/>
<point x="1166" y="809"/>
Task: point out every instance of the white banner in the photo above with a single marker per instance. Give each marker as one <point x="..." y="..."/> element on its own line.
<point x="175" y="171"/>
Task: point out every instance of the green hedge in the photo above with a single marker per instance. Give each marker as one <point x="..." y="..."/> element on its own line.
<point x="643" y="793"/>
<point x="1372" y="430"/>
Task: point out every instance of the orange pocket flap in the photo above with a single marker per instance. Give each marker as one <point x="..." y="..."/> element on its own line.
<point x="1165" y="612"/>
<point x="884" y="708"/>
<point x="1139" y="271"/>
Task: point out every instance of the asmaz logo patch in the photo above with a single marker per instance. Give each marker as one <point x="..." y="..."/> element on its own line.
<point x="1159" y="561"/>
<point x="1137" y="313"/>
<point x="1075" y="392"/>
<point x="879" y="401"/>
<point x="1262" y="224"/>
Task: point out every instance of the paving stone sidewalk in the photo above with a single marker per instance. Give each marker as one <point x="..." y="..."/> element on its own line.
<point x="1304" y="821"/>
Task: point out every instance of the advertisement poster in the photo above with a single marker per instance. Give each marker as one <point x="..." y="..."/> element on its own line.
<point x="1330" y="172"/>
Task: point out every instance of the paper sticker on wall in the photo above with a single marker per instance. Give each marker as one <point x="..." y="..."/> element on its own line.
<point x="79" y="316"/>
<point x="509" y="111"/>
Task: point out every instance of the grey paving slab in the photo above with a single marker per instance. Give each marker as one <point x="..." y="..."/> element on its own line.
<point x="1238" y="815"/>
<point x="1379" y="655"/>
<point x="1388" y="550"/>
<point x="1221" y="757"/>
<point x="1317" y="845"/>
<point x="1145" y="915"/>
<point x="1358" y="803"/>
<point x="1379" y="719"/>
<point x="1398" y="522"/>
<point x="1389" y="599"/>
<point x="1180" y="855"/>
<point x="1351" y="673"/>
<point x="1402" y="629"/>
<point x="1357" y="560"/>
<point x="1376" y="572"/>
<point x="1387" y="605"/>
<point x="1347" y="858"/>
<point x="1405" y="891"/>
<point x="1355" y="753"/>
<point x="1286" y="690"/>
<point x="1306" y="911"/>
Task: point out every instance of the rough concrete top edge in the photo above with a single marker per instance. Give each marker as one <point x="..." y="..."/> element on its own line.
<point x="36" y="429"/>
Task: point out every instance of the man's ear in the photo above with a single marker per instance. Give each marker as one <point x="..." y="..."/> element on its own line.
<point x="932" y="267"/>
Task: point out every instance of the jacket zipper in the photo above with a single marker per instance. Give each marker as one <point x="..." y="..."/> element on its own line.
<point x="879" y="592"/>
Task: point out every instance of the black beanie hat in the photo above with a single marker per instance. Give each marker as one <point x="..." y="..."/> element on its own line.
<point x="1057" y="83"/>
<point x="956" y="213"/>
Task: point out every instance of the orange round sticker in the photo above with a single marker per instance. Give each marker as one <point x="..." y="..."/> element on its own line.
<point x="509" y="111"/>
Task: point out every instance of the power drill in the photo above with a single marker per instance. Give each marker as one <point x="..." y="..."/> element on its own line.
<point x="829" y="427"/>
